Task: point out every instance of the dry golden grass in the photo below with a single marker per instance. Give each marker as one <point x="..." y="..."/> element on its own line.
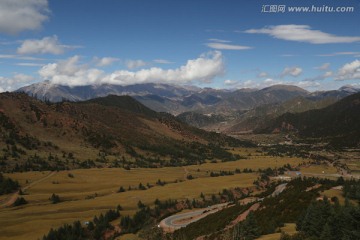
<point x="253" y="162"/>
<point x="33" y="220"/>
<point x="128" y="237"/>
<point x="334" y="193"/>
<point x="289" y="228"/>
<point x="319" y="169"/>
<point x="337" y="193"/>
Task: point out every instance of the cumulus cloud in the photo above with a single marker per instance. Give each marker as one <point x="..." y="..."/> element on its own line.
<point x="263" y="75"/>
<point x="229" y="82"/>
<point x="259" y="84"/>
<point x="71" y="72"/>
<point x="46" y="45"/>
<point x="271" y="82"/>
<point x="105" y="61"/>
<point x="349" y="71"/>
<point x="132" y="64"/>
<point x="22" y="15"/>
<point x="14" y="82"/>
<point x="225" y="46"/>
<point x="303" y="33"/>
<point x="291" y="71"/>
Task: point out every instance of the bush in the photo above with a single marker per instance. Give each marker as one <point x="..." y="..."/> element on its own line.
<point x="54" y="198"/>
<point x="20" y="201"/>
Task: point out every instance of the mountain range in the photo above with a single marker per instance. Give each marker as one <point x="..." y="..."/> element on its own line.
<point x="222" y="110"/>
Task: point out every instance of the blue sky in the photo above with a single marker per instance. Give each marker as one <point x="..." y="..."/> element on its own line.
<point x="208" y="43"/>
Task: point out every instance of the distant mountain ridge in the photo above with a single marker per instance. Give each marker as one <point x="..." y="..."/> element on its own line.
<point x="169" y="98"/>
<point x="222" y="110"/>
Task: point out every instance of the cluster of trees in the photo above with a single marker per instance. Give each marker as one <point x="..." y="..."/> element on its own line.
<point x="247" y="229"/>
<point x="7" y="185"/>
<point x="275" y="211"/>
<point x="325" y="221"/>
<point x="38" y="163"/>
<point x="133" y="224"/>
<point x="221" y="173"/>
<point x="93" y="230"/>
<point x="287" y="150"/>
<point x="351" y="189"/>
<point x="210" y="224"/>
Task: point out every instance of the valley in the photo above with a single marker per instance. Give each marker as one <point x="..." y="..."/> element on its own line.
<point x="85" y="193"/>
<point x="112" y="168"/>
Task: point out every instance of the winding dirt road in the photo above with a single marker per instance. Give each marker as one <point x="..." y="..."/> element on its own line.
<point x="12" y="198"/>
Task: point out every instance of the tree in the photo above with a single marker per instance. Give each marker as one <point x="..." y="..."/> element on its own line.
<point x="54" y="198"/>
<point x="20" y="201"/>
<point x="247" y="230"/>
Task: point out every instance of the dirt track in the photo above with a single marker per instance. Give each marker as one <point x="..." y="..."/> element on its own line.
<point x="12" y="198"/>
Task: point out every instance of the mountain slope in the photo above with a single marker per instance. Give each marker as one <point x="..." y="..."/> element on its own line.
<point x="101" y="130"/>
<point x="258" y="116"/>
<point x="337" y="123"/>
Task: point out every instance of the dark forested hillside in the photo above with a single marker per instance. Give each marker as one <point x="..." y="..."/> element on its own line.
<point x="337" y="123"/>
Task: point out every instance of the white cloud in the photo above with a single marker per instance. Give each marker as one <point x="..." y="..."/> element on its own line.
<point x="229" y="82"/>
<point x="218" y="40"/>
<point x="132" y="64"/>
<point x="70" y="72"/>
<point x="29" y="64"/>
<point x="271" y="82"/>
<point x="10" y="56"/>
<point x="14" y="82"/>
<point x="259" y="84"/>
<point x="22" y="15"/>
<point x="263" y="75"/>
<point x="162" y="61"/>
<point x="338" y="54"/>
<point x="224" y="46"/>
<point x="308" y="84"/>
<point x="327" y="74"/>
<point x="323" y="67"/>
<point x="291" y="71"/>
<point x="349" y="71"/>
<point x="46" y="45"/>
<point x="302" y="33"/>
<point x="105" y="61"/>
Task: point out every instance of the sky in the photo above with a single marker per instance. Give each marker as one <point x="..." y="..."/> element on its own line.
<point x="208" y="43"/>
